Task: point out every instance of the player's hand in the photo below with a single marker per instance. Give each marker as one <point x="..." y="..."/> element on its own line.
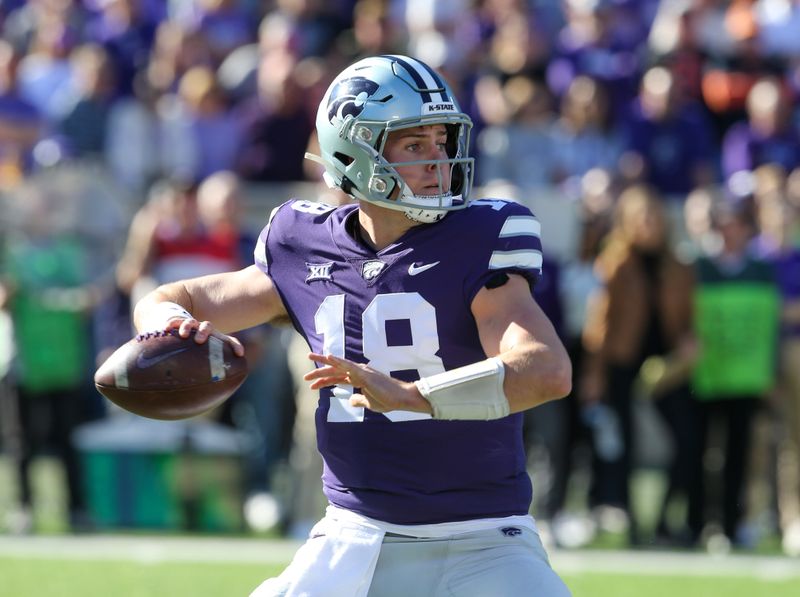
<point x="202" y="330"/>
<point x="379" y="392"/>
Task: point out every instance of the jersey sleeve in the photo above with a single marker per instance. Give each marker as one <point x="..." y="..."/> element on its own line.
<point x="261" y="253"/>
<point x="512" y="244"/>
<point x="288" y="225"/>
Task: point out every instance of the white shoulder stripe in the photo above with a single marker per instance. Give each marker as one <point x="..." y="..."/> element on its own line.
<point x="526" y="259"/>
<point x="260" y="253"/>
<point x="521" y="226"/>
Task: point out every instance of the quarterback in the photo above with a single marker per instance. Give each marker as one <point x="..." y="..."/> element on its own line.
<point x="417" y="306"/>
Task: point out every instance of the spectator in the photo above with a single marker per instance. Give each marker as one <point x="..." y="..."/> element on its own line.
<point x="133" y="138"/>
<point x="509" y="41"/>
<point x="225" y="24"/>
<point x="84" y="123"/>
<point x="515" y="38"/>
<point x="779" y="225"/>
<point x="314" y="24"/>
<point x="45" y="74"/>
<point x="641" y="309"/>
<point x="591" y="44"/>
<point x="175" y="50"/>
<point x="259" y="407"/>
<point x="200" y="134"/>
<point x="21" y="122"/>
<point x="674" y="43"/>
<point x="736" y="324"/>
<point x="126" y="29"/>
<point x="167" y="239"/>
<point x="579" y="280"/>
<point x="22" y="23"/>
<point x="672" y="139"/>
<point x="701" y="236"/>
<point x="219" y="205"/>
<point x="440" y="33"/>
<point x="373" y="32"/>
<point x="277" y="44"/>
<point x="736" y="65"/>
<point x="768" y="135"/>
<point x="584" y="136"/>
<point x="777" y="29"/>
<point x="45" y="282"/>
<point x="516" y="143"/>
<point x="276" y="124"/>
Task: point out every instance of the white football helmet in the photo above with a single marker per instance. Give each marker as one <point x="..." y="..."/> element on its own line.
<point x="369" y="100"/>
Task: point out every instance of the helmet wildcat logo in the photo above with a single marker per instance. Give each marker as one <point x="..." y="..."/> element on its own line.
<point x="349" y="97"/>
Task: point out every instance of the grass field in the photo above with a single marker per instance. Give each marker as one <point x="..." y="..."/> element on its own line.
<point x="54" y="564"/>
<point x="136" y="566"/>
<point x="68" y="578"/>
<point x="46" y="577"/>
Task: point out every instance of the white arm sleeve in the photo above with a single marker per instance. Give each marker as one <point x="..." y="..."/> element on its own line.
<point x="472" y="393"/>
<point x="160" y="315"/>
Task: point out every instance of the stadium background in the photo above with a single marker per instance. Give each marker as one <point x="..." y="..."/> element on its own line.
<point x="104" y="103"/>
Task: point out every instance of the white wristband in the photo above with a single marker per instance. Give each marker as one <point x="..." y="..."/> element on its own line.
<point x="471" y="393"/>
<point x="160" y="314"/>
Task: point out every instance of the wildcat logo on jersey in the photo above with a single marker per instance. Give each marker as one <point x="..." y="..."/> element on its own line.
<point x="371" y="269"/>
<point x="511" y="531"/>
<point x="349" y="97"/>
<point x="319" y="271"/>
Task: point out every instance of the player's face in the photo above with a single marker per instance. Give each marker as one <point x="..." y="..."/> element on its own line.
<point x="420" y="143"/>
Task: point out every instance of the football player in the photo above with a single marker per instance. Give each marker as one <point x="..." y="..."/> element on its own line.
<point x="417" y="306"/>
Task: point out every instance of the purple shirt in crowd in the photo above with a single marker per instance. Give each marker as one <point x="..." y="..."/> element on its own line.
<point x="744" y="148"/>
<point x="787" y="273"/>
<point x="673" y="148"/>
<point x="405" y="310"/>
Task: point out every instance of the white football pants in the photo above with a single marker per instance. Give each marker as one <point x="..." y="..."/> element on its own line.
<point x="499" y="562"/>
<point x="490" y="563"/>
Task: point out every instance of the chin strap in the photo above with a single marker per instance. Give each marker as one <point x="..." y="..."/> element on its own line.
<point x="427" y="209"/>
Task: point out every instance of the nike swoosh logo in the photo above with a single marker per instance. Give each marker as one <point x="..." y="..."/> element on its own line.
<point x="144" y="362"/>
<point x="415" y="269"/>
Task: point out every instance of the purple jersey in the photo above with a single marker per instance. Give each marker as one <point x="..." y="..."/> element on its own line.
<point x="404" y="310"/>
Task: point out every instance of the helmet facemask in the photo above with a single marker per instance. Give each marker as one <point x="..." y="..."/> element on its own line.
<point x="387" y="187"/>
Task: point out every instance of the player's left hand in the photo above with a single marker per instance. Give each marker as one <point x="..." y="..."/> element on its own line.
<point x="379" y="392"/>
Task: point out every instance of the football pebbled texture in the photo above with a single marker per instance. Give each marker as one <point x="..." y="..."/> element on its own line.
<point x="160" y="375"/>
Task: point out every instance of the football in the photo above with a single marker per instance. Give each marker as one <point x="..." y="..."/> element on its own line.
<point x="160" y="375"/>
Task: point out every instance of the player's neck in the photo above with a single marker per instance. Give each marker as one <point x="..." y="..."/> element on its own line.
<point x="380" y="227"/>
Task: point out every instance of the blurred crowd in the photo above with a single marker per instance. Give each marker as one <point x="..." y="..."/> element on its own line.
<point x="667" y="131"/>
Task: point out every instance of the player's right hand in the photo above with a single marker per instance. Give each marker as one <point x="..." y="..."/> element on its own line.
<point x="379" y="392"/>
